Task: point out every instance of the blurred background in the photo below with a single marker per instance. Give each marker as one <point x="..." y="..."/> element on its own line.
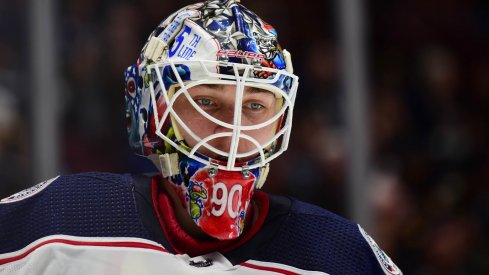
<point x="427" y="115"/>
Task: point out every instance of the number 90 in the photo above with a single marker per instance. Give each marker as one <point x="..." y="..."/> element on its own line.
<point x="225" y="201"/>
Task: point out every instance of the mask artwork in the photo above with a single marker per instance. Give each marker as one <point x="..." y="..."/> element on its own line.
<point x="217" y="201"/>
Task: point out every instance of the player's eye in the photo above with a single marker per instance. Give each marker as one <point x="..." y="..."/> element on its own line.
<point x="254" y="106"/>
<point x="205" y="102"/>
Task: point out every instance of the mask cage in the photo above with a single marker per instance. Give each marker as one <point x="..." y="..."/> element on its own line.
<point x="188" y="74"/>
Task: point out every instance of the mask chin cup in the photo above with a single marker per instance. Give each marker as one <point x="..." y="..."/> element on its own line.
<point x="217" y="200"/>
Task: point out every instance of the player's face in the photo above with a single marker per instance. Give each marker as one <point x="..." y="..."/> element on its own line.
<point x="218" y="101"/>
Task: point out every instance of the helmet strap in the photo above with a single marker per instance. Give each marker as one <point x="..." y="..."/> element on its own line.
<point x="167" y="164"/>
<point x="263" y="176"/>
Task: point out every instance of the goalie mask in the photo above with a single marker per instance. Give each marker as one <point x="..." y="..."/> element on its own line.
<point x="210" y="103"/>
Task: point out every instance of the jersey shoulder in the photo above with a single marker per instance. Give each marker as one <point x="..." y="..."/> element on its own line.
<point x="314" y="238"/>
<point x="74" y="182"/>
<point x="86" y="204"/>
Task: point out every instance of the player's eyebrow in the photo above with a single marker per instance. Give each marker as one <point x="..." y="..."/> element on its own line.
<point x="254" y="90"/>
<point x="214" y="86"/>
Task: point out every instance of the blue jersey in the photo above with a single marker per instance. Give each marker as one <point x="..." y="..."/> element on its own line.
<point x="100" y="223"/>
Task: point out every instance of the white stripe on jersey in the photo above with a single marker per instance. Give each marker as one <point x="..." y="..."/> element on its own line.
<point x="61" y="254"/>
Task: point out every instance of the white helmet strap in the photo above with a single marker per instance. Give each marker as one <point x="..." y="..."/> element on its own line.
<point x="167" y="164"/>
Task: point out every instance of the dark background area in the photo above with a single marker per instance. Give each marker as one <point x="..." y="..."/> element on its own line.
<point x="428" y="74"/>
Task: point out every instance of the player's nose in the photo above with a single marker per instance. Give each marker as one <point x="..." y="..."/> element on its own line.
<point x="226" y="118"/>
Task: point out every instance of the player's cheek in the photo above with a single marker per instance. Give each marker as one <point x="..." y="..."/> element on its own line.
<point x="262" y="135"/>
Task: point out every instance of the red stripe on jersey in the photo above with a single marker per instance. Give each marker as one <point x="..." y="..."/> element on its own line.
<point x="267" y="268"/>
<point x="82" y="243"/>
